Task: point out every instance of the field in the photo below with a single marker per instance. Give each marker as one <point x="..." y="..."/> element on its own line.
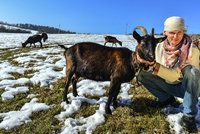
<point x="31" y="88"/>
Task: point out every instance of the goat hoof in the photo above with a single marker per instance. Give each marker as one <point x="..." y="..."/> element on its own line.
<point x="66" y="101"/>
<point x="108" y="111"/>
<point x="115" y="105"/>
<point x="75" y="94"/>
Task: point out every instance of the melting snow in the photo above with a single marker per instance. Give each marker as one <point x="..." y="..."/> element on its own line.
<point x="43" y="71"/>
<point x="16" y="118"/>
<point x="11" y="92"/>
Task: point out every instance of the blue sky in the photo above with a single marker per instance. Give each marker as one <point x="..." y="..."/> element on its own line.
<point x="101" y="16"/>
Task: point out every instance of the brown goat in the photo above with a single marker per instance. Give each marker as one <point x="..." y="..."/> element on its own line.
<point x="34" y="39"/>
<point x="100" y="63"/>
<point x="112" y="40"/>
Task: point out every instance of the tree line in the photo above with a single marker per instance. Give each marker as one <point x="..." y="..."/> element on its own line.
<point x="39" y="28"/>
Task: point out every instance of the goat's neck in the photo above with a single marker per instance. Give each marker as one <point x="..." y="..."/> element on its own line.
<point x="26" y="42"/>
<point x="135" y="63"/>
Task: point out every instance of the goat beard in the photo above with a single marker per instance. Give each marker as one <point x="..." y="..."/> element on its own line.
<point x="146" y="58"/>
<point x="143" y="62"/>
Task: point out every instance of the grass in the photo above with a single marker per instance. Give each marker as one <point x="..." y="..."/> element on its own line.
<point x="8" y="54"/>
<point x="134" y="119"/>
<point x="137" y="118"/>
<point x="16" y="75"/>
<point x="57" y="69"/>
<point x="15" y="104"/>
<point x="42" y="122"/>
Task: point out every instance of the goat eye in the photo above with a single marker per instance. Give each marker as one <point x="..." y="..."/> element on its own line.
<point x="142" y="43"/>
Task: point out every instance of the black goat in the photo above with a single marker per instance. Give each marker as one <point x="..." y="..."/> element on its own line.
<point x="34" y="39"/>
<point x="113" y="40"/>
<point x="100" y="63"/>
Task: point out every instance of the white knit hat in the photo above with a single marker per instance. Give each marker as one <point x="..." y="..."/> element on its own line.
<point x="174" y="23"/>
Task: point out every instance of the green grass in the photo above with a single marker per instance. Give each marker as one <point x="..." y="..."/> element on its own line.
<point x="134" y="119"/>
<point x="43" y="121"/>
<point x="16" y="75"/>
<point x="8" y="54"/>
<point x="137" y="118"/>
<point x="41" y="57"/>
<point x="57" y="69"/>
<point x="14" y="104"/>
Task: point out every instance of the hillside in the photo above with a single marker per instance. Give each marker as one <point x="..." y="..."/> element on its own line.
<point x="10" y="29"/>
<point x="26" y="28"/>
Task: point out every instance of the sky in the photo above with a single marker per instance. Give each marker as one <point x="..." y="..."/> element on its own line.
<point x="101" y="16"/>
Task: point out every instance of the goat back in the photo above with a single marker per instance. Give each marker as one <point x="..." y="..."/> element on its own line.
<point x="97" y="62"/>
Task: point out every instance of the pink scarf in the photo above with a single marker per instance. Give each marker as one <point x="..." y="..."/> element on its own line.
<point x="178" y="54"/>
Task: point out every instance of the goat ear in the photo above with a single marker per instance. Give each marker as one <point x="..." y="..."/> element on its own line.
<point x="137" y="36"/>
<point x="160" y="39"/>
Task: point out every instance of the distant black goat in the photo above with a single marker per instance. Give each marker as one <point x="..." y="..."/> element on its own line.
<point x="34" y="39"/>
<point x="113" y="40"/>
<point x="100" y="63"/>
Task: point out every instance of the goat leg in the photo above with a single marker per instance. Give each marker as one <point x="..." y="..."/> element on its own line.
<point x="107" y="108"/>
<point x="67" y="81"/>
<point x="40" y="44"/>
<point x="116" y="92"/>
<point x="65" y="93"/>
<point x="111" y="95"/>
<point x="74" y="82"/>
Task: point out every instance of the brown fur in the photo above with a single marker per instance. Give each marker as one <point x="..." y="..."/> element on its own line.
<point x="100" y="63"/>
<point x="113" y="40"/>
<point x="34" y="39"/>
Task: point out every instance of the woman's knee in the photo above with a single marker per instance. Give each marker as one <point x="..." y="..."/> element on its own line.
<point x="190" y="72"/>
<point x="143" y="76"/>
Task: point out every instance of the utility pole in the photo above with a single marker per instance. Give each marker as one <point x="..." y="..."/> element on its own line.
<point x="126" y="28"/>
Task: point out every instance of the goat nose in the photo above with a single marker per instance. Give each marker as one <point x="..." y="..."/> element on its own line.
<point x="151" y="56"/>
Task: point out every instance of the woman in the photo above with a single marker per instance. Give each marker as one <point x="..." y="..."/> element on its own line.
<point x="175" y="71"/>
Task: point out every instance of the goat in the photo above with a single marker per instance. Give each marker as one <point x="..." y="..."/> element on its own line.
<point x="113" y="40"/>
<point x="100" y="63"/>
<point x="34" y="39"/>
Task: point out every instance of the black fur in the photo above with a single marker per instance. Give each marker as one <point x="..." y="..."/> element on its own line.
<point x="34" y="39"/>
<point x="100" y="63"/>
<point x="113" y="40"/>
<point x="96" y="62"/>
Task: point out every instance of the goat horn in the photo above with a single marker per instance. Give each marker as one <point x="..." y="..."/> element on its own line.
<point x="143" y="29"/>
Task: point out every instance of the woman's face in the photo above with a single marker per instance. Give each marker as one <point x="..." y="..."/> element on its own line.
<point x="174" y="37"/>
